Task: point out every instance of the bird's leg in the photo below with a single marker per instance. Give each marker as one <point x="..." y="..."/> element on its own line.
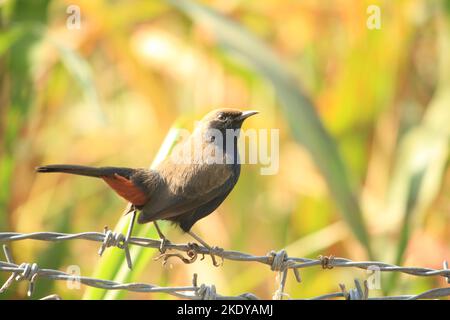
<point x="132" y="210"/>
<point x="160" y="234"/>
<point x="211" y="250"/>
<point x="164" y="240"/>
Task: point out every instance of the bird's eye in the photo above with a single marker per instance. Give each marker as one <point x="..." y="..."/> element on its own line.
<point x="221" y="117"/>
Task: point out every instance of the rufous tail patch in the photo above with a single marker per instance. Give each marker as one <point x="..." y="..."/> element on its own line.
<point x="126" y="189"/>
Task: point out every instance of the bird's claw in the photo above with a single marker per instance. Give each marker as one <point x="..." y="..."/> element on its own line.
<point x="212" y="252"/>
<point x="191" y="253"/>
<point x="216" y="251"/>
<point x="192" y="256"/>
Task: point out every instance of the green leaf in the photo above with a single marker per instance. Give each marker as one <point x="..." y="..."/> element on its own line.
<point x="9" y="37"/>
<point x="16" y="43"/>
<point x="422" y="157"/>
<point x="82" y="73"/>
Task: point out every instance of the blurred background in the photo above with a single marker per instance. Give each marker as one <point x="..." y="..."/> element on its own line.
<point x="363" y="112"/>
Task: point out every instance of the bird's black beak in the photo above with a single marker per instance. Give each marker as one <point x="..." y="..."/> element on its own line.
<point x="246" y="114"/>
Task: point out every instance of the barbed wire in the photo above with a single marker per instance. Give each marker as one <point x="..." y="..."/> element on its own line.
<point x="31" y="272"/>
<point x="279" y="261"/>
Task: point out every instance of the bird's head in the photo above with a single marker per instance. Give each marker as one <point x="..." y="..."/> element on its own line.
<point x="223" y="119"/>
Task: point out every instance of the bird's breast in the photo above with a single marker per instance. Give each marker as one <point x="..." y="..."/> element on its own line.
<point x="199" y="165"/>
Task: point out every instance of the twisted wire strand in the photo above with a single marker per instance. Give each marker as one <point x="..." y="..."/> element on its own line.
<point x="278" y="261"/>
<point x="193" y="292"/>
<point x="180" y="292"/>
<point x="288" y="262"/>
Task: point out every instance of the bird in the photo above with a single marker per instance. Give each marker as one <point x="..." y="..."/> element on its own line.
<point x="189" y="184"/>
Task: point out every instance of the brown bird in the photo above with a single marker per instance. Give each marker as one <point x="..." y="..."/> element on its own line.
<point x="188" y="185"/>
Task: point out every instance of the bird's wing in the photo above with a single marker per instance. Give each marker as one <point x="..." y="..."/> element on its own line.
<point x="187" y="220"/>
<point x="179" y="205"/>
<point x="197" y="190"/>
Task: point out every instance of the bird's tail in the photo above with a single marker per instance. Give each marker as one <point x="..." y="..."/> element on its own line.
<point x="86" y="171"/>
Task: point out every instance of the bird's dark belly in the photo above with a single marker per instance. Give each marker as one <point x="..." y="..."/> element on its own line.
<point x="189" y="218"/>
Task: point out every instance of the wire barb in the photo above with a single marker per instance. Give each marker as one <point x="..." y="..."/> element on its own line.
<point x="206" y="292"/>
<point x="26" y="271"/>
<point x="280" y="262"/>
<point x="115" y="239"/>
<point x="326" y="261"/>
<point x="358" y="293"/>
